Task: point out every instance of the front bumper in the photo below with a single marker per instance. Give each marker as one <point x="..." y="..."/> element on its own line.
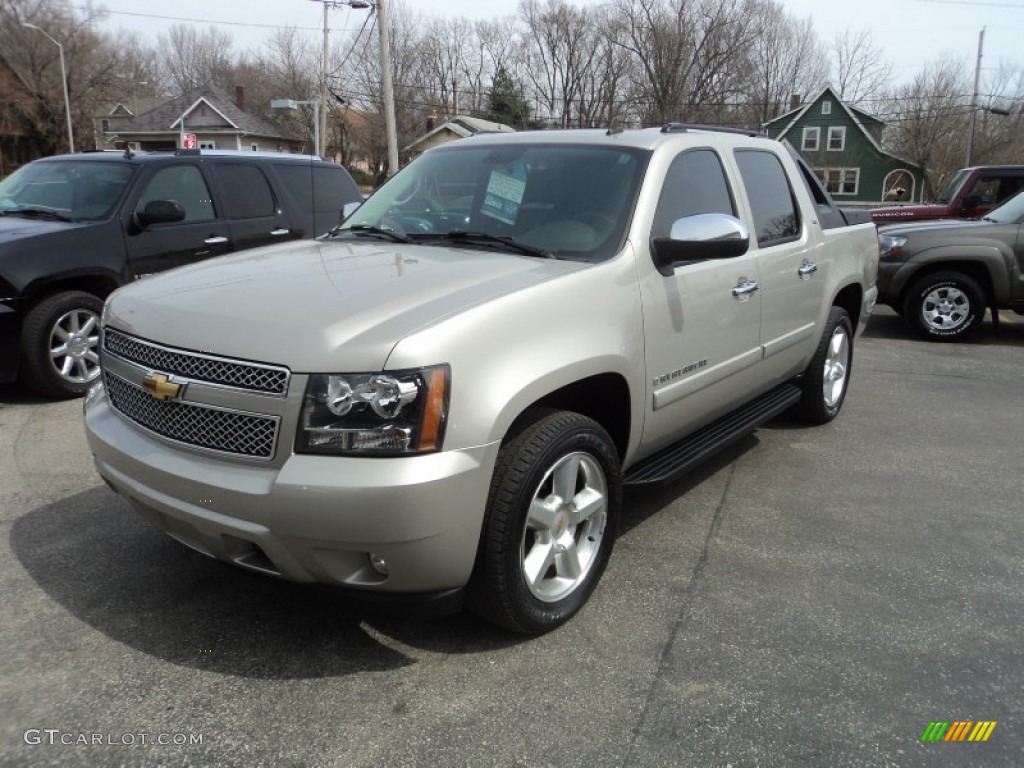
<point x="313" y="519"/>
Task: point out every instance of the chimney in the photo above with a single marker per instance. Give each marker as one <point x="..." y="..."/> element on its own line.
<point x="430" y="122"/>
<point x="240" y="97"/>
<point x="794" y="101"/>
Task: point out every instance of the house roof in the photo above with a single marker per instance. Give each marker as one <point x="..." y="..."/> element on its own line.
<point x="463" y="126"/>
<point x="858" y="116"/>
<point x="165" y="118"/>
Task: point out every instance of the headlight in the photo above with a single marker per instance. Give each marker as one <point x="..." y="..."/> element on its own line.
<point x="890" y="247"/>
<point x="392" y="413"/>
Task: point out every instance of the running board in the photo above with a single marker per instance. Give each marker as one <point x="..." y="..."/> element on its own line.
<point x="692" y="450"/>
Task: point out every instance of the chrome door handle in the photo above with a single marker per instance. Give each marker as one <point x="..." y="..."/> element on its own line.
<point x="744" y="289"/>
<point x="806" y="269"/>
<point x="215" y="240"/>
<point x="279" y="231"/>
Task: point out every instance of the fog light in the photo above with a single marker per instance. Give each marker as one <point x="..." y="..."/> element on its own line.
<point x="379" y="564"/>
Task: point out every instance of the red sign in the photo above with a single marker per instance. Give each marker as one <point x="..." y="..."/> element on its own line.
<point x="189" y="142"/>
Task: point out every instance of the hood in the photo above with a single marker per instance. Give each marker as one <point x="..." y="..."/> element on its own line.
<point x="897" y="212"/>
<point x="944" y="227"/>
<point x="320" y="305"/>
<point x="14" y="227"/>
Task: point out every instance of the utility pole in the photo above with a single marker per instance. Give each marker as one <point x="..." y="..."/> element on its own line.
<point x="389" y="90"/>
<point x="320" y="148"/>
<point x="974" y="99"/>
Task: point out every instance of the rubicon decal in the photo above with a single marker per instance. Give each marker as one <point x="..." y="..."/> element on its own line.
<point x="958" y="730"/>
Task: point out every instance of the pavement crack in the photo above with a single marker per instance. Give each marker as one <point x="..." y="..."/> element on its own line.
<point x="685" y="612"/>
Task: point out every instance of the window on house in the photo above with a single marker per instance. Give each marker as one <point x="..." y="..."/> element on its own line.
<point x="254" y="147"/>
<point x="836" y="138"/>
<point x="105" y="126"/>
<point x="812" y="137"/>
<point x="207" y="144"/>
<point x="826" y="107"/>
<point x="839" y="181"/>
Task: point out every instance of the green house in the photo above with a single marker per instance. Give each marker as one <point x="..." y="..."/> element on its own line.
<point x="843" y="144"/>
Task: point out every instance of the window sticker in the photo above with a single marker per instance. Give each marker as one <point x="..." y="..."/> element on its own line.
<point x="505" y="194"/>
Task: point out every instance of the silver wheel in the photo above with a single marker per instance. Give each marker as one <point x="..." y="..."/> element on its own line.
<point x="837" y="362"/>
<point x="564" y="527"/>
<point x="945" y="308"/>
<point x="74" y="346"/>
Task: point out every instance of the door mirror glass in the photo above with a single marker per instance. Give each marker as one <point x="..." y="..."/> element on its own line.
<point x="159" y="212"/>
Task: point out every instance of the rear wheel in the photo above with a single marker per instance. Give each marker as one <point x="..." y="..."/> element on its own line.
<point x="60" y="344"/>
<point x="828" y="375"/>
<point x="944" y="306"/>
<point x="551" y="520"/>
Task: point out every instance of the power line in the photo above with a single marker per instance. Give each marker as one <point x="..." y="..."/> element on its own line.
<point x="210" y="22"/>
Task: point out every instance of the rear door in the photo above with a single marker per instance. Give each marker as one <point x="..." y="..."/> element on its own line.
<point x="202" y="234"/>
<point x="255" y="215"/>
<point x="791" y="264"/>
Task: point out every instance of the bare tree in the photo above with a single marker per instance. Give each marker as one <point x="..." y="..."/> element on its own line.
<point x="787" y="59"/>
<point x="861" y="70"/>
<point x="193" y="59"/>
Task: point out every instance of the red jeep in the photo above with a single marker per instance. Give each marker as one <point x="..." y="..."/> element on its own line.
<point x="970" y="194"/>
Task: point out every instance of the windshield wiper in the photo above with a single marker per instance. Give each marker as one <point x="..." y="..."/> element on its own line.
<point x="482" y="238"/>
<point x="367" y="229"/>
<point x="37" y="210"/>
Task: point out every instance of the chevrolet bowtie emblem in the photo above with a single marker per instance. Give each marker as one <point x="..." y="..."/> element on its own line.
<point x="161" y="387"/>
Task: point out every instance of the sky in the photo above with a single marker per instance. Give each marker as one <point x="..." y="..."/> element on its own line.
<point x="911" y="32"/>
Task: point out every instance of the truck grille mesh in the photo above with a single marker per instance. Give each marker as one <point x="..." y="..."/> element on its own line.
<point x="250" y="376"/>
<point x="228" y="431"/>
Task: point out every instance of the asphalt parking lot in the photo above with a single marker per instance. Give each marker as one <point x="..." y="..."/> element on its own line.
<point x="813" y="597"/>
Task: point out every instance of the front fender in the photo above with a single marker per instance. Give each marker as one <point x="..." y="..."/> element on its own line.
<point x="989" y="257"/>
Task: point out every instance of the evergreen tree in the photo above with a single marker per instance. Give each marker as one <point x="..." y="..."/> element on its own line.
<point x="507" y="103"/>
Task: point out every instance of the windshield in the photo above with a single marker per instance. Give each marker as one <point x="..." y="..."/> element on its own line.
<point x="1010" y="212"/>
<point x="77" y="190"/>
<point x="570" y="201"/>
<point x="949" y="191"/>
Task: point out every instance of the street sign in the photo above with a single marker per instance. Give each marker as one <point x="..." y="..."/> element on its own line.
<point x="189" y="142"/>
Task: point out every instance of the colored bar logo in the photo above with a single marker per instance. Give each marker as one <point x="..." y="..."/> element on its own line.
<point x="958" y="730"/>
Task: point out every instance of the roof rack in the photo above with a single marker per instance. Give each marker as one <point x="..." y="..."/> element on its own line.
<point x="685" y="127"/>
<point x="188" y="152"/>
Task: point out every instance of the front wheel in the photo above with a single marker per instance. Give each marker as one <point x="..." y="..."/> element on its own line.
<point x="60" y="344"/>
<point x="552" y="514"/>
<point x="944" y="306"/>
<point x="828" y="374"/>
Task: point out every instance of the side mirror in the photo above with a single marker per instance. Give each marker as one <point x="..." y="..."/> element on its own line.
<point x="159" y="212"/>
<point x="702" y="237"/>
<point x="348" y="209"/>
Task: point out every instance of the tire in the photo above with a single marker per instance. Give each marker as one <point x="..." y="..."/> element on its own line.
<point x="540" y="556"/>
<point x="828" y="375"/>
<point x="944" y="306"/>
<point x="60" y="345"/>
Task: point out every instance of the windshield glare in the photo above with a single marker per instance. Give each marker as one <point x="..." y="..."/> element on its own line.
<point x="573" y="201"/>
<point x="1010" y="212"/>
<point x="79" y="190"/>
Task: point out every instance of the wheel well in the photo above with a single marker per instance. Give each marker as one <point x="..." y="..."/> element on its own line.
<point x="100" y="287"/>
<point x="603" y="398"/>
<point x="973" y="269"/>
<point x="850" y="298"/>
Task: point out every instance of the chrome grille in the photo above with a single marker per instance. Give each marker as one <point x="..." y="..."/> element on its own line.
<point x="219" y="430"/>
<point x="250" y="376"/>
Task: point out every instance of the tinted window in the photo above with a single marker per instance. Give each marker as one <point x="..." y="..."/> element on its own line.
<point x="84" y="190"/>
<point x="246" y="191"/>
<point x="334" y="187"/>
<point x="771" y="198"/>
<point x="185" y="185"/>
<point x="695" y="184"/>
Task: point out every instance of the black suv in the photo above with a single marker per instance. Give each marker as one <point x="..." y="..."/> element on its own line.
<point x="75" y="227"/>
